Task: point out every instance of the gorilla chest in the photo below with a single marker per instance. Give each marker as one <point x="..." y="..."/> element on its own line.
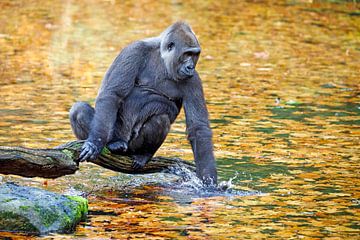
<point x="160" y="84"/>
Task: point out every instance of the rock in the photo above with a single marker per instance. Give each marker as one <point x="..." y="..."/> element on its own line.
<point x="36" y="211"/>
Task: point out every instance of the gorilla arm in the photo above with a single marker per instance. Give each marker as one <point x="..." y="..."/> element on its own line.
<point x="117" y="84"/>
<point x="199" y="132"/>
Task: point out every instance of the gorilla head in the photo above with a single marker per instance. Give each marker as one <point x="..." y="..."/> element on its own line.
<point x="180" y="51"/>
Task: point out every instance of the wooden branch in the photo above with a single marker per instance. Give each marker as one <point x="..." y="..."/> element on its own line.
<point x="62" y="160"/>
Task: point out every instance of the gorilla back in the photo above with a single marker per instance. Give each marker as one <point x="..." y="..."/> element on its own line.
<point x="140" y="97"/>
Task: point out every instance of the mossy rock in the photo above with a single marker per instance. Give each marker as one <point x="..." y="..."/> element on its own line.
<point x="36" y="211"/>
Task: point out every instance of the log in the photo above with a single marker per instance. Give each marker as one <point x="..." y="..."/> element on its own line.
<point x="63" y="160"/>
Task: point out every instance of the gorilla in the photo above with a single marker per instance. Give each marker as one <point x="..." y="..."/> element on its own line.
<point x="140" y="97"/>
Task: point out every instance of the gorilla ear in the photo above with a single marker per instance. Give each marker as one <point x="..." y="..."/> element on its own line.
<point x="170" y="46"/>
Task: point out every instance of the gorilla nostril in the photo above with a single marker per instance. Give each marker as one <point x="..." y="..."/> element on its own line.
<point x="190" y="67"/>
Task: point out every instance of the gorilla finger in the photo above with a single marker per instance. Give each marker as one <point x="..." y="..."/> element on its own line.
<point x="135" y="165"/>
<point x="82" y="159"/>
<point x="85" y="154"/>
<point x="139" y="165"/>
<point x="85" y="146"/>
<point x="123" y="148"/>
<point x="82" y="155"/>
<point x="93" y="156"/>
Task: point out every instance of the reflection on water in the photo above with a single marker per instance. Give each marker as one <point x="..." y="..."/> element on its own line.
<point x="282" y="86"/>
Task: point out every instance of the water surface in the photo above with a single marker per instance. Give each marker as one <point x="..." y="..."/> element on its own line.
<point x="281" y="80"/>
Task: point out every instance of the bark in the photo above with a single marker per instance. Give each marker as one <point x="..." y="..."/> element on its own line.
<point x="62" y="160"/>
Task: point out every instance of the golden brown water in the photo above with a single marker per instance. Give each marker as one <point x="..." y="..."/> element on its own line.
<point x="282" y="86"/>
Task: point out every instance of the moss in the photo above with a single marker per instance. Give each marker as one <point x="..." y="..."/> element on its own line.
<point x="105" y="150"/>
<point x="68" y="224"/>
<point x="68" y="153"/>
<point x="13" y="222"/>
<point x="24" y="208"/>
<point x="6" y="200"/>
<point x="37" y="211"/>
<point x="82" y="209"/>
<point x="48" y="217"/>
<point x="79" y="209"/>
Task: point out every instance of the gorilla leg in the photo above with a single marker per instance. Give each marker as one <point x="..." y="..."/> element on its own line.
<point x="119" y="142"/>
<point x="148" y="140"/>
<point x="136" y="114"/>
<point x="81" y="115"/>
<point x="124" y="126"/>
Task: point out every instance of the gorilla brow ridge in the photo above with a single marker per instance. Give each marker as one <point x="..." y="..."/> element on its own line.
<point x="187" y="36"/>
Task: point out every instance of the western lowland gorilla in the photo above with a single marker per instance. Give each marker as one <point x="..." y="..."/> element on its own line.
<point x="140" y="97"/>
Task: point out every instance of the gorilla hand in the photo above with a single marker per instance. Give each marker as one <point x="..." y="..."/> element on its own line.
<point x="89" y="151"/>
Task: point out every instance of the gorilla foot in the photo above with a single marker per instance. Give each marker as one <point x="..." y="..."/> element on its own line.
<point x="119" y="146"/>
<point x="139" y="161"/>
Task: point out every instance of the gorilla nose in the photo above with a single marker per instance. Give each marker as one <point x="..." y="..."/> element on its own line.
<point x="189" y="67"/>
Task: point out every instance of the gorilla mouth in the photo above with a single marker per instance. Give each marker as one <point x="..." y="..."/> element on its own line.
<point x="187" y="73"/>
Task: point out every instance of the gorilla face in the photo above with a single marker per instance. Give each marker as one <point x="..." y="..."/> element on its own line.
<point x="180" y="51"/>
<point x="187" y="63"/>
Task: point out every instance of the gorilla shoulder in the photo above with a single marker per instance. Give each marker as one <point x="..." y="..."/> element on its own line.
<point x="153" y="42"/>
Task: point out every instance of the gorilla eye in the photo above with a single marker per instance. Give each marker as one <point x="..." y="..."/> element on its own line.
<point x="170" y="46"/>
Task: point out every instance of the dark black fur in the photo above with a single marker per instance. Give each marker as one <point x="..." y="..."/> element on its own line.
<point x="141" y="96"/>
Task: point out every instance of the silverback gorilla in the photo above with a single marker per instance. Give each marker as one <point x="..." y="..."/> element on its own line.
<point x="140" y="97"/>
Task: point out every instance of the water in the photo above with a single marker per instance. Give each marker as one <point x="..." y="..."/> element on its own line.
<point x="281" y="79"/>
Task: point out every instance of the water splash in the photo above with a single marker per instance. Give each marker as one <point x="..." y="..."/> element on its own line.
<point x="190" y="185"/>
